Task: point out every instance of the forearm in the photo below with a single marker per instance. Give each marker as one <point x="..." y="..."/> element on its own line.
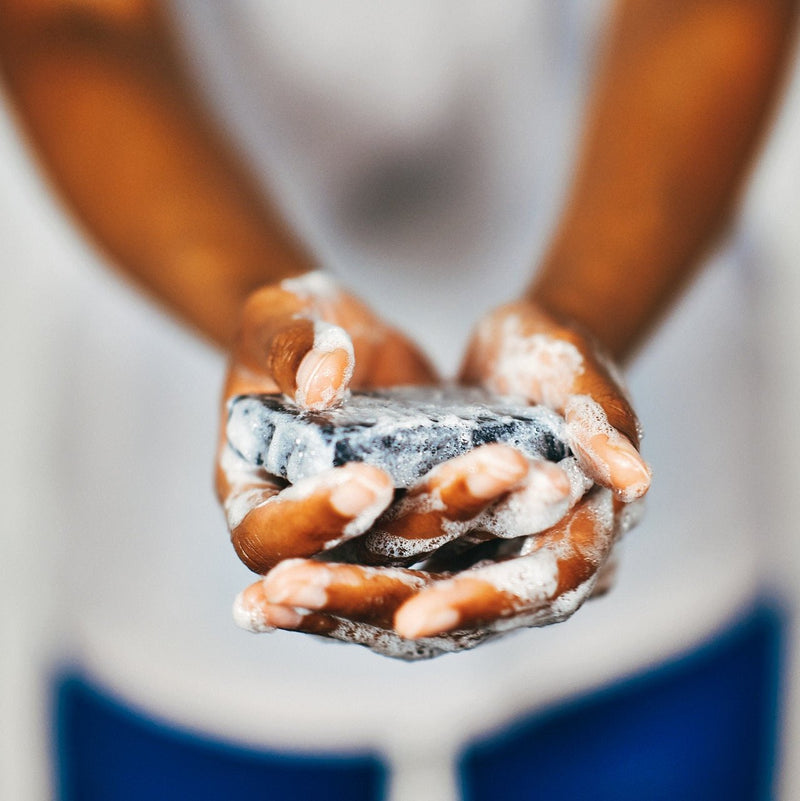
<point x="102" y="92"/>
<point x="682" y="95"/>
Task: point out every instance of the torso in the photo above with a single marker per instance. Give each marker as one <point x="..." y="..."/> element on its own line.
<point x="476" y="144"/>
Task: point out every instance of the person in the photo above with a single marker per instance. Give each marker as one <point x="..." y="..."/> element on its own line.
<point x="655" y="182"/>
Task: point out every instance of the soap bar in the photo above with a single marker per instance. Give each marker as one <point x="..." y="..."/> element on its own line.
<point x="405" y="431"/>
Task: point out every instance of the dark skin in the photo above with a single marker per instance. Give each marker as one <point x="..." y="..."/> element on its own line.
<point x="676" y="115"/>
<point x="681" y="98"/>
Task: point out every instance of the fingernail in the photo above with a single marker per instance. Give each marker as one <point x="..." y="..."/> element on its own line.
<point x="301" y="587"/>
<point x="320" y="377"/>
<point x="497" y="470"/>
<point x="630" y="474"/>
<point x="557" y="479"/>
<point x="283" y="617"/>
<point x="356" y="494"/>
<point x="413" y="622"/>
<point x="248" y="615"/>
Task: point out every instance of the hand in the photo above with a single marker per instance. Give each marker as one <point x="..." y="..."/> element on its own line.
<point x="490" y="492"/>
<point x="492" y="488"/>
<point x="310" y="340"/>
<point x="520" y="350"/>
<point x="413" y="614"/>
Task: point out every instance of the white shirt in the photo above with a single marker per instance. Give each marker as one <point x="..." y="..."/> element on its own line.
<point x="121" y="558"/>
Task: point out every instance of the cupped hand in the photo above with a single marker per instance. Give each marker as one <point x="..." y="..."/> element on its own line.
<point x="521" y="350"/>
<point x="492" y="491"/>
<point x="414" y="614"/>
<point x="310" y="340"/>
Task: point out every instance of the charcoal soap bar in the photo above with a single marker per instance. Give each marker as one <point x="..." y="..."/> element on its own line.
<point x="405" y="431"/>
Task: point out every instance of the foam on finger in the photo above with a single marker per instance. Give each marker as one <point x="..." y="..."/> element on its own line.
<point x="358" y="491"/>
<point x="536" y="366"/>
<point x="247" y="488"/>
<point x="536" y="588"/>
<point x="545" y="495"/>
<point x="313" y="285"/>
<point x="248" y="610"/>
<point x="324" y="375"/>
<point x="606" y="454"/>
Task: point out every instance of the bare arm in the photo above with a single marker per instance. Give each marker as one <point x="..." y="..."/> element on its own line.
<point x="101" y="89"/>
<point x="679" y="105"/>
<point x="683" y="93"/>
<point x="682" y="97"/>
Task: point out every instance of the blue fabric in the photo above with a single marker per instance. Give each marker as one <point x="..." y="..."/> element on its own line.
<point x="700" y="729"/>
<point x="108" y="753"/>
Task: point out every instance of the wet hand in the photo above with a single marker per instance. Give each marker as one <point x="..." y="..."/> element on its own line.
<point x="520" y="350"/>
<point x="414" y="614"/>
<point x="310" y="340"/>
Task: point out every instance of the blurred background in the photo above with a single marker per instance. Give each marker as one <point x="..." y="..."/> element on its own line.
<point x="409" y="144"/>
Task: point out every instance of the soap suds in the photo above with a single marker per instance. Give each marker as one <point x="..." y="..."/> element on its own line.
<point x="535" y="506"/>
<point x="585" y="420"/>
<point x="250" y="618"/>
<point x="312" y="285"/>
<point x="328" y="338"/>
<point x="405" y="431"/>
<point x="363" y="521"/>
<point x="248" y="489"/>
<point x="393" y="645"/>
<point x="239" y="504"/>
<point x="630" y="516"/>
<point x="531" y="579"/>
<point x="536" y="366"/>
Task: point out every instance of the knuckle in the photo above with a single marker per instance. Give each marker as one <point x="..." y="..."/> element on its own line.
<point x="268" y="302"/>
<point x="250" y="550"/>
<point x="286" y="350"/>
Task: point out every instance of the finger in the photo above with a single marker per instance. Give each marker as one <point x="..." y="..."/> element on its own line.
<point x="253" y="612"/>
<point x="517" y="350"/>
<point x="311" y="362"/>
<point x="385" y="356"/>
<point x="520" y="350"/>
<point x="481" y="598"/>
<point x="543" y="585"/>
<point x="438" y="509"/>
<point x="548" y="492"/>
<point x="311" y="516"/>
<point x="287" y="338"/>
<point x="608" y="457"/>
<point x="355" y="592"/>
<point x="467" y="484"/>
<point x="606" y="576"/>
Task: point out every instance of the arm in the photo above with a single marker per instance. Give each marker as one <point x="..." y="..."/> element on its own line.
<point x="103" y="95"/>
<point x="102" y="92"/>
<point x="679" y="106"/>
<point x="682" y="97"/>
